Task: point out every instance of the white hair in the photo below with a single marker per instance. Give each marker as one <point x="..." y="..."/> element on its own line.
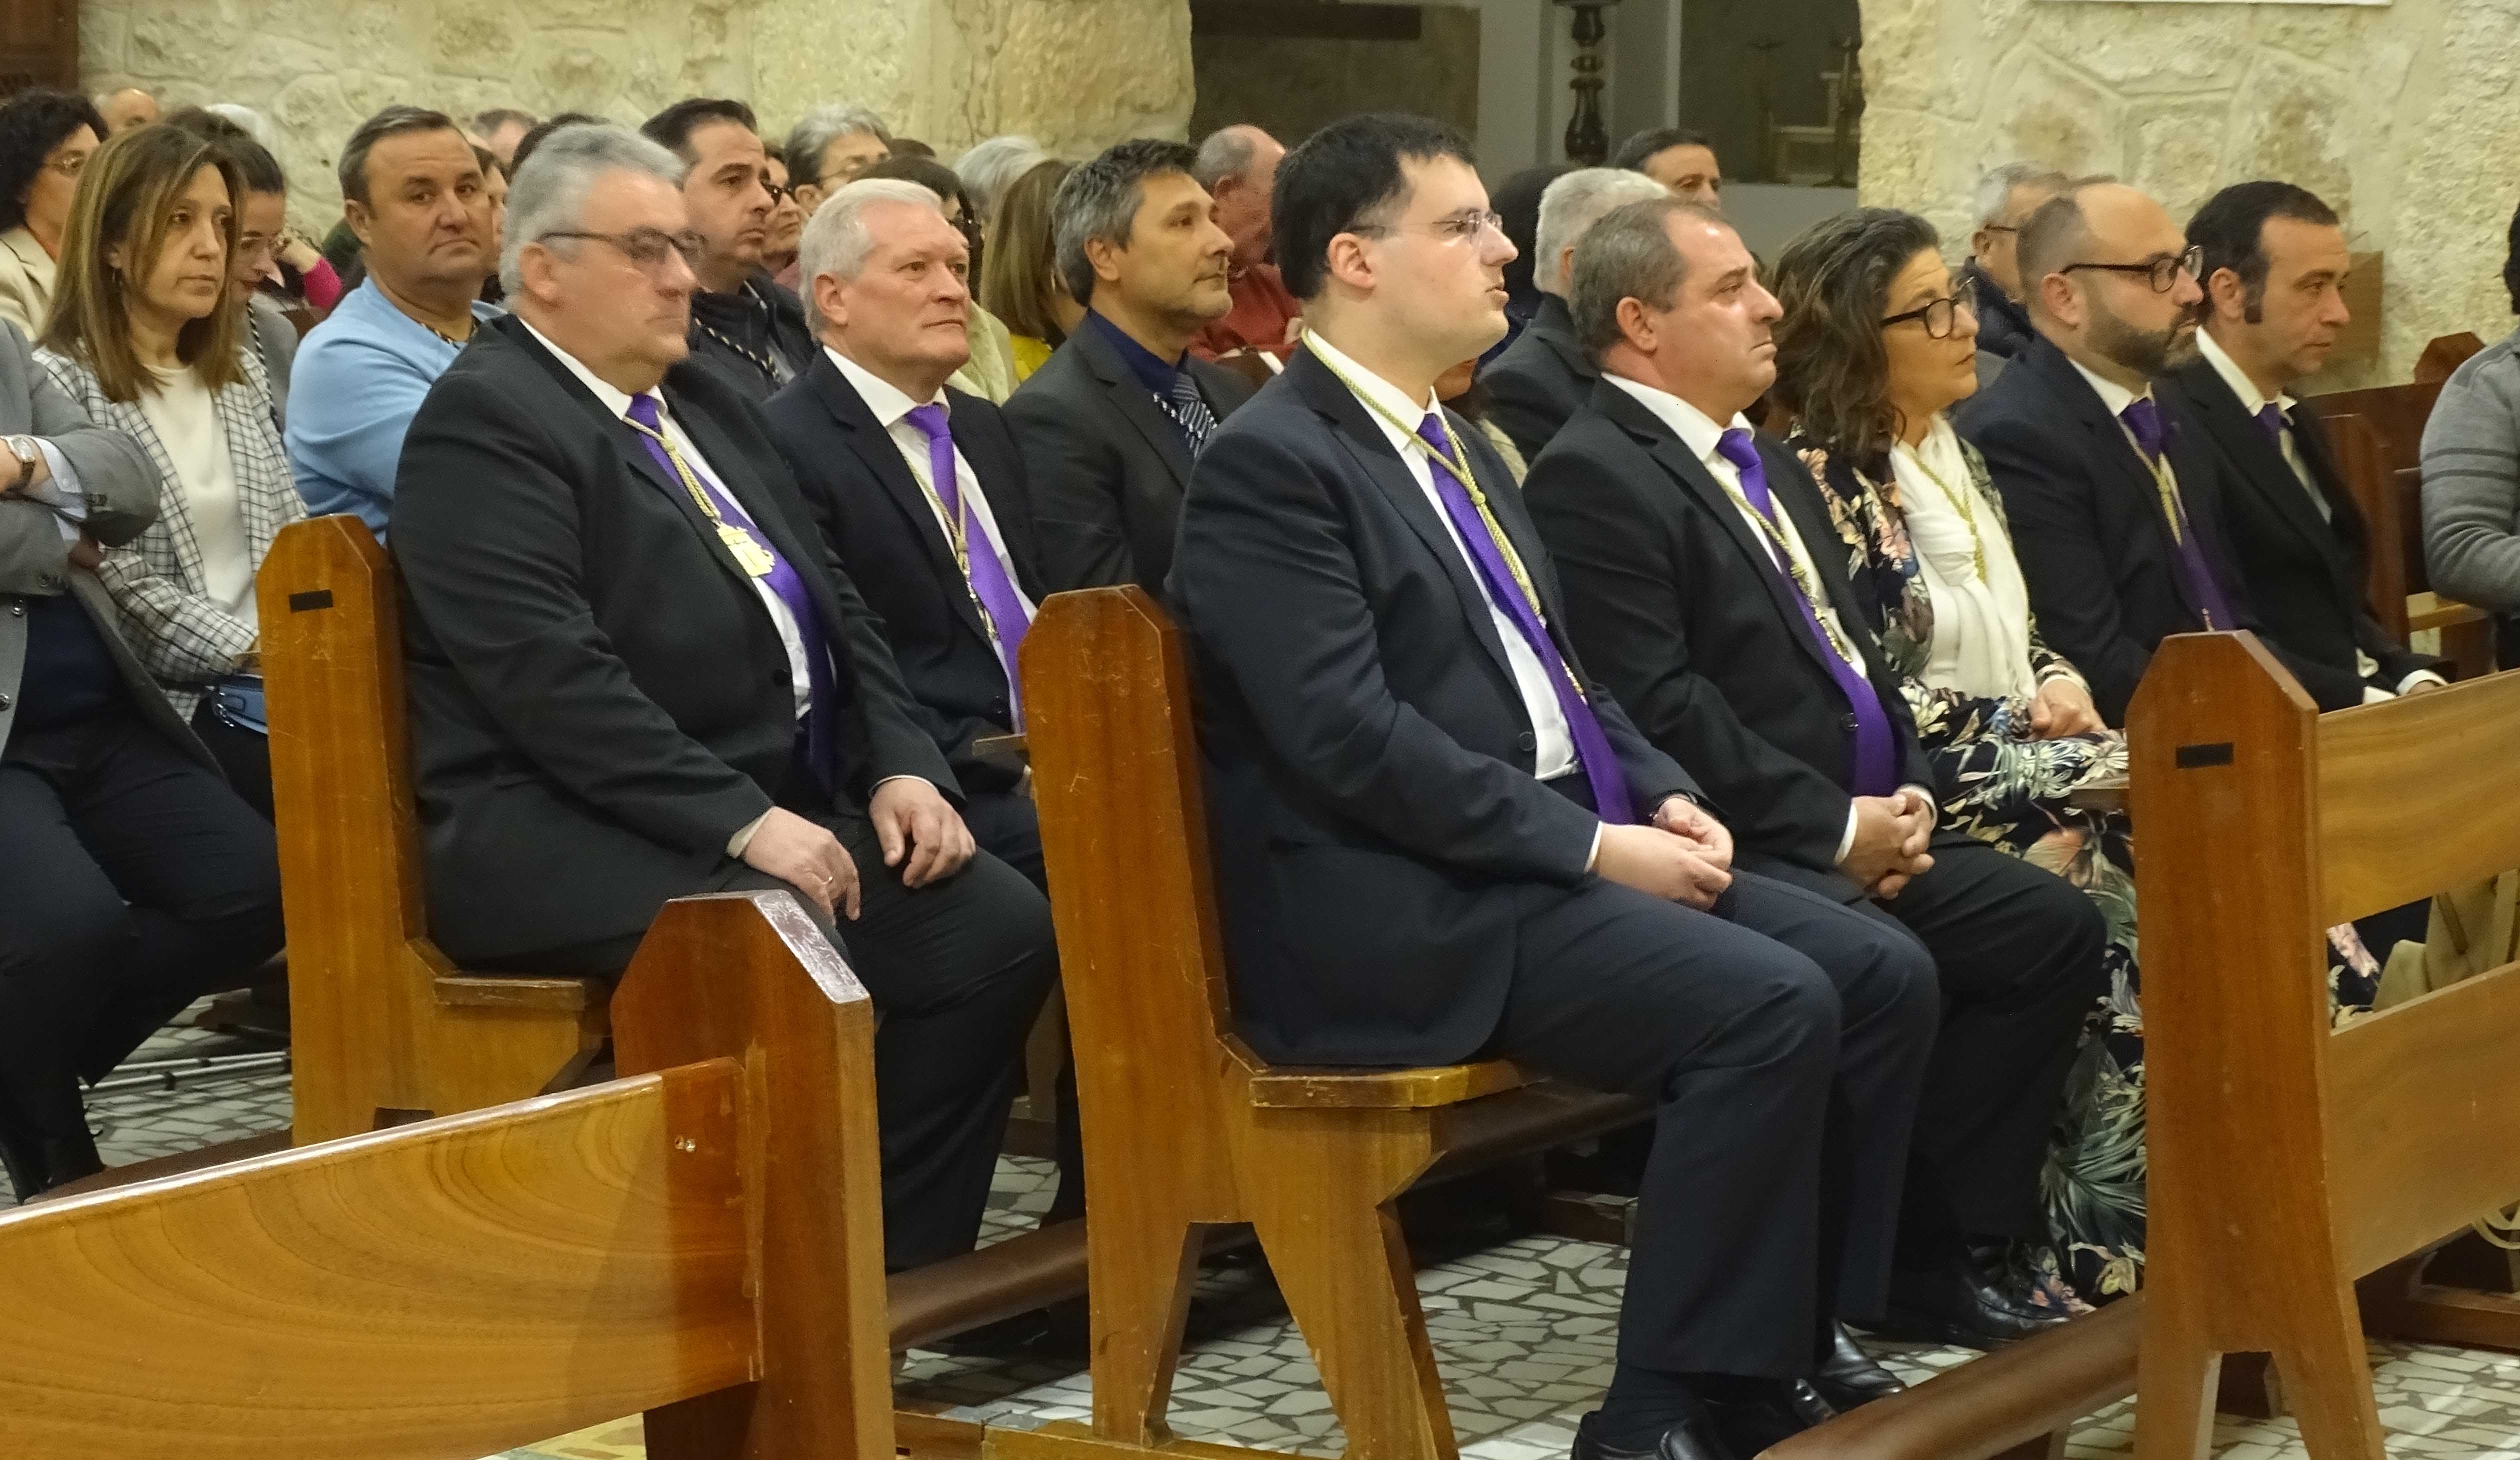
<point x="816" y="131"/>
<point x="255" y="124"/>
<point x="1995" y="190"/>
<point x="989" y="167"/>
<point x="547" y="194"/>
<point x="1571" y="206"/>
<point x="836" y="239"/>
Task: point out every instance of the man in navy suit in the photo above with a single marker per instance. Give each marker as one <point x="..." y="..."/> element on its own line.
<point x="1437" y="838"/>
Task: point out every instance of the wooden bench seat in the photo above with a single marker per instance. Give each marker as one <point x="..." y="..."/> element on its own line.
<point x="697" y="1242"/>
<point x="385" y="1028"/>
<point x="1185" y="1130"/>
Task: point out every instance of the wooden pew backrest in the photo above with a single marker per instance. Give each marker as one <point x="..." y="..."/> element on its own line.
<point x="382" y="1025"/>
<point x="452" y="1288"/>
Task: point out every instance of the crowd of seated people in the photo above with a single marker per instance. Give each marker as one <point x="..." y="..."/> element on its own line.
<point x="1550" y="707"/>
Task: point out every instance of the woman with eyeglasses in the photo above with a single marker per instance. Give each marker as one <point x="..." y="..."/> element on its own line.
<point x="45" y="138"/>
<point x="145" y="337"/>
<point x="1876" y="345"/>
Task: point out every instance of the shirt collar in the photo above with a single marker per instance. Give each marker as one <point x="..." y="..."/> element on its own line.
<point x="2251" y="398"/>
<point x="1146" y="364"/>
<point x="2113" y="396"/>
<point x="610" y="396"/>
<point x="1375" y="391"/>
<point x="881" y="396"/>
<point x="1696" y="430"/>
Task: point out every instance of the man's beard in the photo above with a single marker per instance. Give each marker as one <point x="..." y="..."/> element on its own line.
<point x="2145" y="352"/>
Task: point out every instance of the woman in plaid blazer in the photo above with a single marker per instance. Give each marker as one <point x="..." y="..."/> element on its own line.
<point x="145" y="339"/>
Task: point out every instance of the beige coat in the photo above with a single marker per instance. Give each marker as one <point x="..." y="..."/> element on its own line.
<point x="25" y="281"/>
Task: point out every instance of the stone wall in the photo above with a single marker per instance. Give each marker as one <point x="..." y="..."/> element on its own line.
<point x="1076" y="74"/>
<point x="2403" y="117"/>
<point x="1293" y="86"/>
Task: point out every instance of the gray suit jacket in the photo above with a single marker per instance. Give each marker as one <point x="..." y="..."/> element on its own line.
<point x="121" y="487"/>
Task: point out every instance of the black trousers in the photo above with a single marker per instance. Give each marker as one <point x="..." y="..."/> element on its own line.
<point x="244" y="754"/>
<point x="132" y="881"/>
<point x="1783" y="1039"/>
<point x="2017" y="953"/>
<point x="957" y="970"/>
<point x="1007" y="828"/>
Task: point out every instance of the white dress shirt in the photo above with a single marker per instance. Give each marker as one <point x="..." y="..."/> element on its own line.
<point x="1701" y="436"/>
<point x="1554" y="752"/>
<point x="892" y="408"/>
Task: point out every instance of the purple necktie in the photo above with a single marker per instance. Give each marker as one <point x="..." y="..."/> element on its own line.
<point x="1601" y="766"/>
<point x="2270" y="418"/>
<point x="1875" y="767"/>
<point x="989" y="583"/>
<point x="782" y="581"/>
<point x="2152" y="433"/>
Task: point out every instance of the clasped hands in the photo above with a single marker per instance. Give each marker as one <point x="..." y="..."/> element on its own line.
<point x="1683" y="854"/>
<point x="918" y="829"/>
<point x="1891" y="833"/>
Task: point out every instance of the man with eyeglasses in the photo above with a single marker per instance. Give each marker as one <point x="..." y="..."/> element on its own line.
<point x="1707" y="587"/>
<point x="2113" y="494"/>
<point x="743" y="321"/>
<point x="413" y="193"/>
<point x="1437" y="838"/>
<point x="2007" y="197"/>
<point x="637" y="674"/>
<point x="1112" y="422"/>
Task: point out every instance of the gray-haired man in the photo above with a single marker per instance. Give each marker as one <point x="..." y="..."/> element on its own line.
<point x="2006" y="198"/>
<point x="1546" y="376"/>
<point x="1112" y="424"/>
<point x="636" y="673"/>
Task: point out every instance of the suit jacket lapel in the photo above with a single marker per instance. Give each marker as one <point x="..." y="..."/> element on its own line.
<point x="2109" y="443"/>
<point x="1135" y="403"/>
<point x="2261" y="462"/>
<point x="2349" y="545"/>
<point x="1373" y="450"/>
<point x="874" y="446"/>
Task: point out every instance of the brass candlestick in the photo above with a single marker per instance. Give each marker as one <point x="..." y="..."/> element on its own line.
<point x="1588" y="136"/>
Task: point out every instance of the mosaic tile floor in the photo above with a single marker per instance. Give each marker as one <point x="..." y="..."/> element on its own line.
<point x="1523" y="1330"/>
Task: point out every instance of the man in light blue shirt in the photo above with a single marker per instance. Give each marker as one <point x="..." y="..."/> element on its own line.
<point x="412" y="190"/>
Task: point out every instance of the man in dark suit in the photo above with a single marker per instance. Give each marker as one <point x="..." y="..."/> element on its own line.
<point x="636" y="673"/>
<point x="1708" y="589"/>
<point x="744" y="322"/>
<point x="1436" y="839"/>
<point x="1112" y="423"/>
<point x="2112" y="493"/>
<point x="1545" y="376"/>
<point x="2274" y="269"/>
<point x="944" y="559"/>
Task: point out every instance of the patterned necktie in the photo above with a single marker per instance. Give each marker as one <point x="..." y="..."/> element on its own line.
<point x="999" y="605"/>
<point x="1188" y="410"/>
<point x="781" y="577"/>
<point x="1611" y="801"/>
<point x="2143" y="422"/>
<point x="1875" y="765"/>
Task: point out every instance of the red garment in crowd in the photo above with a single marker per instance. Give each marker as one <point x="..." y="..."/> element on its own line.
<point x="1263" y="318"/>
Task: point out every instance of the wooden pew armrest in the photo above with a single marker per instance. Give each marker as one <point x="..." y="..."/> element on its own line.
<point x="2430" y="610"/>
<point x="489" y="991"/>
<point x="1299" y="1087"/>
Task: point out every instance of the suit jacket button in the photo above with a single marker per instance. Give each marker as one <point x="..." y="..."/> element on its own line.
<point x="1529" y="741"/>
<point x="53" y="582"/>
<point x="17" y="610"/>
<point x="4" y="702"/>
<point x="1846" y="723"/>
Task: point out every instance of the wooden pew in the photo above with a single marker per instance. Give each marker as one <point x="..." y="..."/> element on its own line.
<point x="1185" y="1129"/>
<point x="2376" y="438"/>
<point x="2287" y="1161"/>
<point x="385" y="1028"/>
<point x="703" y="1242"/>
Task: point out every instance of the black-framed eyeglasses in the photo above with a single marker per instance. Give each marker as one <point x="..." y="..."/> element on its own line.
<point x="2163" y="271"/>
<point x="779" y="193"/>
<point x="1939" y="317"/>
<point x="647" y="247"/>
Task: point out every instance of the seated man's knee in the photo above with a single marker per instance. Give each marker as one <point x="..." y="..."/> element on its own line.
<point x="1790" y="1017"/>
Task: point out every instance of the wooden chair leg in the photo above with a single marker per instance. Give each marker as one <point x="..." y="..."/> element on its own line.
<point x="2327" y="1379"/>
<point x="1141" y="1296"/>
<point x="2174" y="1409"/>
<point x="1344" y="1271"/>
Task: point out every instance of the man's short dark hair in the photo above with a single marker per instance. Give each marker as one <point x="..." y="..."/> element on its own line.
<point x="254" y="163"/>
<point x="672" y="128"/>
<point x="392" y="122"/>
<point x="1640" y="148"/>
<point x="1627" y="254"/>
<point x="1099" y="202"/>
<point x="542" y="130"/>
<point x="1342" y="178"/>
<point x="2232" y="229"/>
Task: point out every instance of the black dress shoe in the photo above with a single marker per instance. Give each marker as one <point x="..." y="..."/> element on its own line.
<point x="1975" y="1299"/>
<point x="1763" y="1411"/>
<point x="1849" y="1377"/>
<point x="1691" y="1439"/>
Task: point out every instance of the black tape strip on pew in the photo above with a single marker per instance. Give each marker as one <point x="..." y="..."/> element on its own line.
<point x="703" y="1242"/>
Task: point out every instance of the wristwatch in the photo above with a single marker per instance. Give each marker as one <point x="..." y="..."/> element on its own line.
<point x="24" y="448"/>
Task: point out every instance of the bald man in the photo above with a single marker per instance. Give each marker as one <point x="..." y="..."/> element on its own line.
<point x="1239" y="167"/>
<point x="126" y="109"/>
<point x="2115" y="506"/>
